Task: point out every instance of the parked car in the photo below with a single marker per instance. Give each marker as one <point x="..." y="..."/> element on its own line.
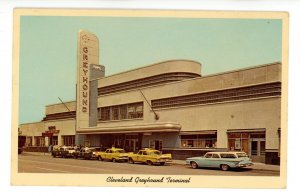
<point x="63" y="151"/>
<point x="87" y="153"/>
<point x="149" y="156"/>
<point x="113" y="154"/>
<point x="222" y="160"/>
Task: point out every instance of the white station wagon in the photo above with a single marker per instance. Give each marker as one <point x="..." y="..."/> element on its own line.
<point x="222" y="160"/>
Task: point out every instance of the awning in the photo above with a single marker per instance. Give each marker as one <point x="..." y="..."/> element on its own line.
<point x="145" y="128"/>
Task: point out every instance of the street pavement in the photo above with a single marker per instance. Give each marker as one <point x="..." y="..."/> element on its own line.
<point x="31" y="162"/>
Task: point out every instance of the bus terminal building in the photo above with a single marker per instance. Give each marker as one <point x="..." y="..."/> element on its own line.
<point x="168" y="106"/>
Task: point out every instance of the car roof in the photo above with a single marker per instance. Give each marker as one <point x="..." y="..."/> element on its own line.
<point x="230" y="152"/>
<point x="149" y="149"/>
<point x="115" y="149"/>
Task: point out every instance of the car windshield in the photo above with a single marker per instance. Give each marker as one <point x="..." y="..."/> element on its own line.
<point x="155" y="152"/>
<point x="120" y="151"/>
<point x="227" y="155"/>
<point x="241" y="155"/>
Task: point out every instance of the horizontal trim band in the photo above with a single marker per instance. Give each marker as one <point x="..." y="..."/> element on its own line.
<point x="162" y="127"/>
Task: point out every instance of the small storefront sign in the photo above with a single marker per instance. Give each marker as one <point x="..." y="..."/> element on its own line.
<point x="237" y="144"/>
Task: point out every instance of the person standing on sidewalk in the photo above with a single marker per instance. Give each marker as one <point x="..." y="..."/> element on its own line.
<point x="50" y="148"/>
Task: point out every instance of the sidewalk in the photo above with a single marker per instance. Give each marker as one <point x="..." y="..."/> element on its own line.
<point x="36" y="153"/>
<point x="256" y="166"/>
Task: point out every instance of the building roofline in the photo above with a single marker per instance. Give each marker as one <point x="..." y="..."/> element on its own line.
<point x="242" y="69"/>
<point x="60" y="103"/>
<point x="146" y="66"/>
<point x="226" y="72"/>
<point x="27" y="123"/>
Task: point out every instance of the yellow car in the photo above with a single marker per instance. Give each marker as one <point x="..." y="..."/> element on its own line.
<point x="113" y="154"/>
<point x="149" y="156"/>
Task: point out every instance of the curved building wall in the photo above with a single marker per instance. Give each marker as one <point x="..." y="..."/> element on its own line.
<point x="172" y="66"/>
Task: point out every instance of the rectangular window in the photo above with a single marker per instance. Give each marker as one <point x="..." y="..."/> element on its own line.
<point x="39" y="141"/>
<point x="54" y="140"/>
<point x="135" y="110"/>
<point x="155" y="144"/>
<point x="115" y="113"/>
<point x="69" y="140"/>
<point x="199" y="141"/>
<point x="105" y="113"/>
<point x="29" y="141"/>
<point x="120" y="112"/>
<point x="123" y="111"/>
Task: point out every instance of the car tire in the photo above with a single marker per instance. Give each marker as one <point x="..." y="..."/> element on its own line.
<point x="149" y="162"/>
<point x="114" y="160"/>
<point x="162" y="163"/>
<point x="130" y="160"/>
<point x="194" y="165"/>
<point x="100" y="158"/>
<point x="224" y="167"/>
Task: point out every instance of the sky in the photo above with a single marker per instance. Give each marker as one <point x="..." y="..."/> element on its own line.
<point x="48" y="50"/>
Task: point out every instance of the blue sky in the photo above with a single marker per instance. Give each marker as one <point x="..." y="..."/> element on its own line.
<point x="48" y="50"/>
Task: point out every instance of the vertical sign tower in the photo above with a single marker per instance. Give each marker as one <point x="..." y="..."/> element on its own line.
<point x="87" y="54"/>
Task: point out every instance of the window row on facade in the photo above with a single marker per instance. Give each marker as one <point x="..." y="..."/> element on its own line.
<point x="149" y="81"/>
<point x="258" y="91"/>
<point x="199" y="141"/>
<point x="121" y="112"/>
<point x="67" y="140"/>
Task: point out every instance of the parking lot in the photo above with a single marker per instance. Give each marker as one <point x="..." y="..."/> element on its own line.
<point x="44" y="163"/>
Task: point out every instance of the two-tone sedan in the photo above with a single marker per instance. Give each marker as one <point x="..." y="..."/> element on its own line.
<point x="222" y="160"/>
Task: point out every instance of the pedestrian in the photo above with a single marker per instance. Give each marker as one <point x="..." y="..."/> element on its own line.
<point x="50" y="148"/>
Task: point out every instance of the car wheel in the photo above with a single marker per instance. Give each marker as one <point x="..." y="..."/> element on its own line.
<point x="149" y="162"/>
<point x="194" y="165"/>
<point x="100" y="158"/>
<point x="130" y="160"/>
<point x="224" y="167"/>
<point x="114" y="160"/>
<point x="162" y="163"/>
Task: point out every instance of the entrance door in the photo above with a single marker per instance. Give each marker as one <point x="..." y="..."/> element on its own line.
<point x="158" y="145"/>
<point x="257" y="149"/>
<point x="131" y="144"/>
